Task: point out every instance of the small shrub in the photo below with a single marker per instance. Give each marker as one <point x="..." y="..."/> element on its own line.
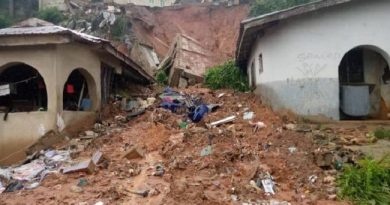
<point x="5" y="21"/>
<point x="227" y="75"/>
<point x="162" y="77"/>
<point x="119" y="28"/>
<point x="382" y="133"/>
<point x="51" y="14"/>
<point x="366" y="183"/>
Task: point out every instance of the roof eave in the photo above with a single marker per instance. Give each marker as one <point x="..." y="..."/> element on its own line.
<point x="261" y="22"/>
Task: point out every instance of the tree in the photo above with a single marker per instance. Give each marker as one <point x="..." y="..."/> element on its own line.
<point x="51" y="14"/>
<point x="260" y="7"/>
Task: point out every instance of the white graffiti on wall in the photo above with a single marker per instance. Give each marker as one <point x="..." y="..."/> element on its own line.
<point x="313" y="88"/>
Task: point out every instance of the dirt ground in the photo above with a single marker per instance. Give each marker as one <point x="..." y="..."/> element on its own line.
<point x="289" y="153"/>
<point x="215" y="27"/>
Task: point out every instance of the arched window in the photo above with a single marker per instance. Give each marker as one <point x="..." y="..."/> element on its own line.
<point x="22" y="89"/>
<point x="76" y="94"/>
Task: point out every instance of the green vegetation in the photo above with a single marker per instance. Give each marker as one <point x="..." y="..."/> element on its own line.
<point x="119" y="28"/>
<point x="367" y="183"/>
<point x="227" y="75"/>
<point x="162" y="77"/>
<point x="5" y="21"/>
<point x="382" y="133"/>
<point x="51" y="14"/>
<point x="260" y="7"/>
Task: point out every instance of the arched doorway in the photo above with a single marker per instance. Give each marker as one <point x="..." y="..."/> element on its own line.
<point x="22" y="89"/>
<point x="364" y="84"/>
<point x="78" y="93"/>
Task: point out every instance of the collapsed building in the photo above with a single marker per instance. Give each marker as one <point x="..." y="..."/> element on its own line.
<point x="145" y="56"/>
<point x="52" y="78"/>
<point x="186" y="62"/>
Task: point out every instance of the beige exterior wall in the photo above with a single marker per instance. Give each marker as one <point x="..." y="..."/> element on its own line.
<point x="54" y="63"/>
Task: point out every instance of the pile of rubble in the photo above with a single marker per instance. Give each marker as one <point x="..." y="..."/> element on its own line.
<point x="240" y="153"/>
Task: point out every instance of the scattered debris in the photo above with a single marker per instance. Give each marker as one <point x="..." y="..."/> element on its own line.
<point x="329" y="179"/>
<point x="82" y="182"/>
<point x="28" y="172"/>
<point x="290" y="126"/>
<point x="135" y="113"/>
<point x="248" y="115"/>
<point x="254" y="185"/>
<point x="159" y="170"/>
<point x="223" y="121"/>
<point x="206" y="151"/>
<point x="76" y="189"/>
<point x="184" y="157"/>
<point x="86" y="166"/>
<point x="181" y="103"/>
<point x="141" y="193"/>
<point x="98" y="157"/>
<point x="14" y="186"/>
<point x="292" y="150"/>
<point x="257" y="126"/>
<point x="268" y="186"/>
<point x="312" y="179"/>
<point x="2" y="188"/>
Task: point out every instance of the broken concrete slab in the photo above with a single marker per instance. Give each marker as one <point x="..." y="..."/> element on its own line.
<point x="134" y="153"/>
<point x="98" y="157"/>
<point x="85" y="166"/>
<point x="186" y="62"/>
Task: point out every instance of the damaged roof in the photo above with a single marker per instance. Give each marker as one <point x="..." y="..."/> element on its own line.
<point x="252" y="28"/>
<point x="80" y="37"/>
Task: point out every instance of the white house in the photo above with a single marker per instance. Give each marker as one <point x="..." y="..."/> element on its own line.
<point x="326" y="58"/>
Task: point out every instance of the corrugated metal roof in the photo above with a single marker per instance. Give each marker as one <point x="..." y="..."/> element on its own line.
<point x="41" y="30"/>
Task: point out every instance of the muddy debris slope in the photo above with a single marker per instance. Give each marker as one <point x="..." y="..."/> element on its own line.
<point x="160" y="156"/>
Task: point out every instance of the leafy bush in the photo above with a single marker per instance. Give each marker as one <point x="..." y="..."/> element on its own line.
<point x="51" y="14"/>
<point x="162" y="77"/>
<point x="5" y="21"/>
<point x="227" y="75"/>
<point x="119" y="28"/>
<point x="382" y="133"/>
<point x="260" y="7"/>
<point x="366" y="183"/>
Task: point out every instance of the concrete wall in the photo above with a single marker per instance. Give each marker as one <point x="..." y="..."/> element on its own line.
<point x="54" y="63"/>
<point x="21" y="129"/>
<point x="301" y="55"/>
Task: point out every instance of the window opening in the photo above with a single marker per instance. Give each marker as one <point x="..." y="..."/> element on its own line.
<point x="22" y="89"/>
<point x="76" y="95"/>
